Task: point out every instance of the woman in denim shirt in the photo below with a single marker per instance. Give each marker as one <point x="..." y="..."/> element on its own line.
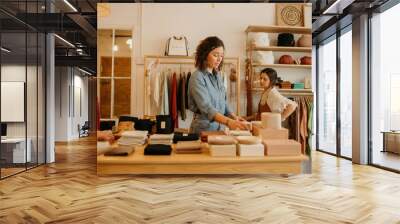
<point x="207" y="94"/>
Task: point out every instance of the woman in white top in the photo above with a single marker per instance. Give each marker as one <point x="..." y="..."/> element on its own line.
<point x="271" y="100"/>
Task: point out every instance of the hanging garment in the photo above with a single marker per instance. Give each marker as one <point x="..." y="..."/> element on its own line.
<point x="309" y="126"/>
<point x="164" y="97"/>
<point x="174" y="112"/>
<point x="182" y="97"/>
<point x="249" y="90"/>
<point x="186" y="90"/>
<point x="303" y="124"/>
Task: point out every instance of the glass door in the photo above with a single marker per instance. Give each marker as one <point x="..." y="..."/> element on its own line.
<point x="326" y="93"/>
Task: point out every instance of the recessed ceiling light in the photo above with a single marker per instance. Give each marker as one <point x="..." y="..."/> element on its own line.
<point x="115" y="48"/>
<point x="64" y="40"/>
<point x="84" y="71"/>
<point x="5" y="50"/>
<point x="70" y="5"/>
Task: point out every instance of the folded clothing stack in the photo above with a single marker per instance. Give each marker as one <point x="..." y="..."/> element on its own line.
<point x="165" y="139"/>
<point x="223" y="150"/>
<point x="222" y="145"/>
<point x="239" y="133"/>
<point x="144" y="125"/>
<point x="121" y="150"/>
<point x="157" y="149"/>
<point x="248" y="140"/>
<point x="204" y="134"/>
<point x="221" y="140"/>
<point x="250" y="146"/>
<point x="188" y="147"/>
<point x="282" y="147"/>
<point x="133" y="138"/>
<point x="179" y="136"/>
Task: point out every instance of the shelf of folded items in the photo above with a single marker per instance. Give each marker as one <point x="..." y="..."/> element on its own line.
<point x="281" y="49"/>
<point x="202" y="163"/>
<point x="282" y="66"/>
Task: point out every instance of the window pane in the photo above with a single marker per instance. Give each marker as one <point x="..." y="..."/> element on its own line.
<point x="327" y="97"/>
<point x="122" y="99"/>
<point x="105" y="98"/>
<point x="346" y="94"/>
<point x="122" y="67"/>
<point x="13" y="82"/>
<point x="31" y="101"/>
<point x="385" y="87"/>
<point x="104" y="39"/>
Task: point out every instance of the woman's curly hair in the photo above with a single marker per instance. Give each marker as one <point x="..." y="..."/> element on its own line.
<point x="204" y="48"/>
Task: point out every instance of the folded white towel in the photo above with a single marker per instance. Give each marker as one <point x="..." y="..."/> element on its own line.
<point x="251" y="150"/>
<point x="162" y="137"/>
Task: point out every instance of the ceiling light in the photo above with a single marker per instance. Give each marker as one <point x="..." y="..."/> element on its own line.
<point x="337" y="7"/>
<point x="115" y="48"/>
<point x="84" y="71"/>
<point x="129" y="42"/>
<point x="70" y="5"/>
<point x="5" y="50"/>
<point x="64" y="40"/>
<point x="79" y="50"/>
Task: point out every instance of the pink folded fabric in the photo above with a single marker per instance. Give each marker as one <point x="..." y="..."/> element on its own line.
<point x="221" y="140"/>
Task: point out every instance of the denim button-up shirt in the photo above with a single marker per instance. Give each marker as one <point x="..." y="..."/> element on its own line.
<point x="207" y="96"/>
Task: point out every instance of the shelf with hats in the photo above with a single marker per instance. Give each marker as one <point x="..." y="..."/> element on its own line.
<point x="281" y="49"/>
<point x="282" y="66"/>
<point x="278" y="29"/>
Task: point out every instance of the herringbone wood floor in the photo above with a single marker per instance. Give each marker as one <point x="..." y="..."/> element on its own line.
<point x="69" y="191"/>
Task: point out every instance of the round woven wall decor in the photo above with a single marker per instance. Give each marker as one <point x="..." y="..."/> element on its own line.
<point x="291" y="15"/>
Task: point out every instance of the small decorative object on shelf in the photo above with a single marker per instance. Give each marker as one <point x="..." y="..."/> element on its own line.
<point x="289" y="14"/>
<point x="286" y="40"/>
<point x="304" y="41"/>
<point x="286" y="59"/>
<point x="306" y="60"/>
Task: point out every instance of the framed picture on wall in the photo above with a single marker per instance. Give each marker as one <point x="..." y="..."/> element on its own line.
<point x="289" y="14"/>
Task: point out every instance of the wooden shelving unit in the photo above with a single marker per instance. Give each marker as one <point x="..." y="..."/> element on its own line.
<point x="277" y="29"/>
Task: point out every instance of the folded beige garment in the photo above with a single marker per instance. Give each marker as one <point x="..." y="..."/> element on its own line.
<point x="223" y="150"/>
<point x="239" y="133"/>
<point x="284" y="147"/>
<point x="248" y="140"/>
<point x="221" y="140"/>
<point x="188" y="145"/>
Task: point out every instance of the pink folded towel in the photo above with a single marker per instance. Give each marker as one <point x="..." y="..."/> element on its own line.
<point x="221" y="140"/>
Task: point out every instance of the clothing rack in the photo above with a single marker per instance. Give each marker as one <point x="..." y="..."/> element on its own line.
<point x="183" y="61"/>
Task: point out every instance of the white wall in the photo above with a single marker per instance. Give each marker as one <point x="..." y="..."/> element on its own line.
<point x="68" y="80"/>
<point x="154" y="23"/>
